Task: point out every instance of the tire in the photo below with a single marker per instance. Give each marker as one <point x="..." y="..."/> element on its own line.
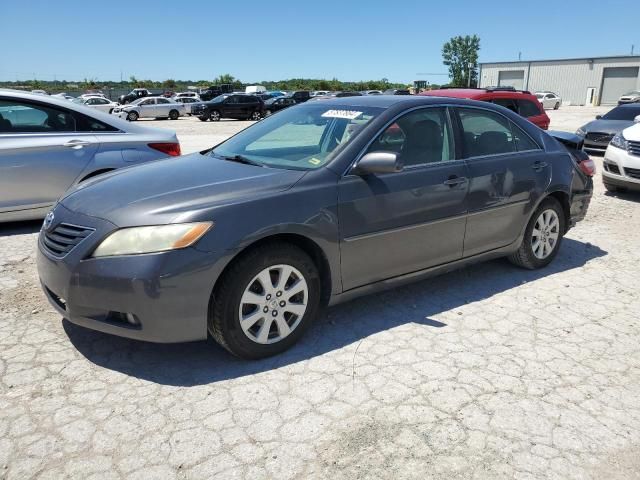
<point x="214" y="116"/>
<point x="255" y="116"/>
<point x="110" y="111"/>
<point x="533" y="252"/>
<point x="205" y="116"/>
<point x="132" y="116"/>
<point x="241" y="282"/>
<point x="556" y="106"/>
<point x="174" y="115"/>
<point x="614" y="188"/>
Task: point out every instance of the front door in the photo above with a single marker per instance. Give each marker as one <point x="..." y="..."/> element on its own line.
<point x="41" y="154"/>
<point x="148" y="108"/>
<point x="397" y="223"/>
<point x="508" y="173"/>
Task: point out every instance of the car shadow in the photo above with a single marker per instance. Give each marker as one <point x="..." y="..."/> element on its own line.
<point x="198" y="363"/>
<point x="19" y="228"/>
<point x="629" y="195"/>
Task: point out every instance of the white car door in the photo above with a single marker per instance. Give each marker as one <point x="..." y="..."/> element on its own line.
<point x="148" y="108"/>
<point x="163" y="106"/>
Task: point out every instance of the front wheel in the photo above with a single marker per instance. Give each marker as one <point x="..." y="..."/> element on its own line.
<point x="173" y="115"/>
<point x="132" y="116"/>
<point x="265" y="301"/>
<point x="556" y="106"/>
<point x="215" y="116"/>
<point x="543" y="236"/>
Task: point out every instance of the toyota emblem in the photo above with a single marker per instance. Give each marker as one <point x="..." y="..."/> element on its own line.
<point x="48" y="221"/>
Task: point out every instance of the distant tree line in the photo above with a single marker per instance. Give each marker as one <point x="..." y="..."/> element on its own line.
<point x="179" y="85"/>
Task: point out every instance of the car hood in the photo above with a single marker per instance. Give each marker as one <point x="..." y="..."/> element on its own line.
<point x="175" y="189"/>
<point x="607" y="126"/>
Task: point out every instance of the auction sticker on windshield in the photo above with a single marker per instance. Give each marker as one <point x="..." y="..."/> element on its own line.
<point x="348" y="114"/>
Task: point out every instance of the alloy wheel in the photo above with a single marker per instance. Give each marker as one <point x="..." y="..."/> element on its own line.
<point x="273" y="304"/>
<point x="215" y="116"/>
<point x="545" y="234"/>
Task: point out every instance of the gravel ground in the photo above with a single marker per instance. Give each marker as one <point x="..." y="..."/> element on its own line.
<point x="487" y="372"/>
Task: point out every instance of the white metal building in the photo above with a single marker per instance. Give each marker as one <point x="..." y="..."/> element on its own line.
<point x="579" y="81"/>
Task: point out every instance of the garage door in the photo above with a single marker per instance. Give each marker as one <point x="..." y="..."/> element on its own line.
<point x="617" y="81"/>
<point x="511" y="78"/>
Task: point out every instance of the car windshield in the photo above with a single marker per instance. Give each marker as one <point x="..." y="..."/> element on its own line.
<point x="304" y="137"/>
<point x="623" y="113"/>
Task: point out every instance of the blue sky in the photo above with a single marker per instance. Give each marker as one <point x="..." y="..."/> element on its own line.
<point x="272" y="40"/>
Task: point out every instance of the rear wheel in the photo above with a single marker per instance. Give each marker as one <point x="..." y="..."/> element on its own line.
<point x="543" y="236"/>
<point x="265" y="301"/>
<point x="173" y="115"/>
<point x="132" y="116"/>
<point x="215" y="116"/>
<point x="255" y="116"/>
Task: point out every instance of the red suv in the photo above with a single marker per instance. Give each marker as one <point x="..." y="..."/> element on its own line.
<point x="520" y="101"/>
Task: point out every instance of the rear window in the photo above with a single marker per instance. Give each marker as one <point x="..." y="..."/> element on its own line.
<point x="527" y="108"/>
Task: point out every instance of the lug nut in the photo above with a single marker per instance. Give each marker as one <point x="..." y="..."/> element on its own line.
<point x="274" y="313"/>
<point x="265" y="310"/>
<point x="282" y="303"/>
<point x="279" y="294"/>
<point x="269" y="296"/>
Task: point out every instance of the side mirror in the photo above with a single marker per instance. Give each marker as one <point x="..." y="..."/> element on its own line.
<point x="637" y="119"/>
<point x="378" y="162"/>
<point x="598" y="117"/>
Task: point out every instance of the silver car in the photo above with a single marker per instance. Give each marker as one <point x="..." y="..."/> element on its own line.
<point x="187" y="102"/>
<point x="151" y="107"/>
<point x="549" y="100"/>
<point x="49" y="144"/>
<point x="97" y="103"/>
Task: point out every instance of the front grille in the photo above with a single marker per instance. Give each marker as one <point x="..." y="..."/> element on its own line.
<point x="633" y="147"/>
<point x="599" y="137"/>
<point x="611" y="167"/>
<point x="62" y="239"/>
<point x="632" y="172"/>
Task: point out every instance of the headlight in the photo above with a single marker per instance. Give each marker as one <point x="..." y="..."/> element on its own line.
<point x="580" y="132"/>
<point x="159" y="238"/>
<point x="619" y="141"/>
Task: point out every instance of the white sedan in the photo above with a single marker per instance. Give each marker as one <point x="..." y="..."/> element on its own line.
<point x="151" y="107"/>
<point x="99" y="103"/>
<point x="549" y="100"/>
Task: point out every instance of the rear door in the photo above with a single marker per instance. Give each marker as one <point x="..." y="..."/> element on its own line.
<point x="397" y="223"/>
<point x="41" y="153"/>
<point x="508" y="173"/>
<point x="163" y="105"/>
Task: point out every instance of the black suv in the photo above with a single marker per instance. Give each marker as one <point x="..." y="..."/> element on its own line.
<point x="301" y="96"/>
<point x="239" y="106"/>
<point x="215" y="90"/>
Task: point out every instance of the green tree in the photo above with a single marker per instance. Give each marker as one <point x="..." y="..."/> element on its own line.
<point x="170" y="84"/>
<point x="460" y="54"/>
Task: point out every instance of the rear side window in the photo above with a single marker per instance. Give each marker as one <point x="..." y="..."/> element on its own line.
<point x="485" y="133"/>
<point x="17" y="116"/>
<point x="523" y="141"/>
<point x="85" y="123"/>
<point x="163" y="100"/>
<point x="527" y="108"/>
<point x="506" y="103"/>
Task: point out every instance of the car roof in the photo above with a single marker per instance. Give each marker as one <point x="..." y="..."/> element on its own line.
<point x="476" y="93"/>
<point x="406" y="101"/>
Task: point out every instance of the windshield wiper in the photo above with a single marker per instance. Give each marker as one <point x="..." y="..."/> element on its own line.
<point x="240" y="159"/>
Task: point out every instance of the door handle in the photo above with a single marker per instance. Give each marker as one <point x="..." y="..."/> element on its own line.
<point x="76" y="144"/>
<point x="454" y="180"/>
<point x="537" y="166"/>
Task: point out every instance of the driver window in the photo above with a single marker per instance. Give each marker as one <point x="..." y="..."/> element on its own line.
<point x="420" y="137"/>
<point x="18" y="117"/>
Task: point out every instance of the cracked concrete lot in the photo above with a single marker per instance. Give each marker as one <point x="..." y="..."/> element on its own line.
<point x="487" y="372"/>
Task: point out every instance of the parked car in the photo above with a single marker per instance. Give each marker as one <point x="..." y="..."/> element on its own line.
<point x="549" y="100"/>
<point x="159" y="254"/>
<point x="301" y="96"/>
<point x="214" y="91"/>
<point x="135" y="94"/>
<point x="320" y="93"/>
<point x="186" y="95"/>
<point x="598" y="133"/>
<point x="397" y="91"/>
<point x="151" y="107"/>
<point x="519" y="101"/>
<point x="49" y="144"/>
<point x="622" y="160"/>
<point x="630" y="97"/>
<point x="187" y="102"/>
<point x="372" y="92"/>
<point x="97" y="102"/>
<point x="274" y="105"/>
<point x="238" y="106"/>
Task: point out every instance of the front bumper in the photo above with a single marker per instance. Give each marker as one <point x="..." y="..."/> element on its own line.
<point x="166" y="294"/>
<point x="621" y="168"/>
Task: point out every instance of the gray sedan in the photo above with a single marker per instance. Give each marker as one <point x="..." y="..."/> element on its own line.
<point x="598" y="133"/>
<point x="49" y="144"/>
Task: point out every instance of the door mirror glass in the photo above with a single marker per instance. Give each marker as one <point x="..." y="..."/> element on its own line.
<point x="378" y="162"/>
